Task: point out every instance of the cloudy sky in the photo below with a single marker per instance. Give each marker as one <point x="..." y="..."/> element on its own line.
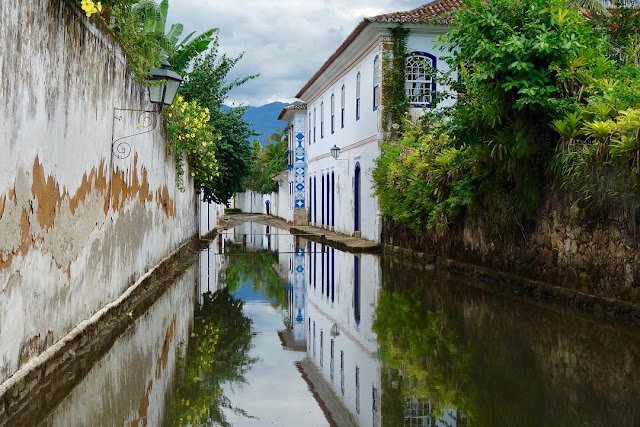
<point x="285" y="41"/>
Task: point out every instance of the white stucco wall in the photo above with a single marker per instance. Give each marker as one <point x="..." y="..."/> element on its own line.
<point x="77" y="224"/>
<point x="250" y="202"/>
<point x="359" y="139"/>
<point x="209" y="214"/>
<point x="282" y="200"/>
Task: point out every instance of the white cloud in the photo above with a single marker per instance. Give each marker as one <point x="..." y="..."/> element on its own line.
<point x="285" y="41"/>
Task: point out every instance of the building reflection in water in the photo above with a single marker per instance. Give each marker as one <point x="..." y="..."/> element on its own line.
<point x="341" y="300"/>
<point x="390" y="343"/>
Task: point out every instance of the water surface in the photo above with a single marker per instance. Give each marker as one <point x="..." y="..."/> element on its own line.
<point x="278" y="330"/>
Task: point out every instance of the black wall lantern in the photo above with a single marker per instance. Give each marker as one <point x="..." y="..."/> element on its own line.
<point x="165" y="84"/>
<point x="163" y="90"/>
<point x="335" y="152"/>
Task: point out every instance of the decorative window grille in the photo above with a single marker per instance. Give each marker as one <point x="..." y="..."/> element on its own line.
<point x="332" y="362"/>
<point x="357" y="389"/>
<point x="358" y="97"/>
<point x="342" y="99"/>
<point x="376" y="83"/>
<point x="322" y="120"/>
<point x="333" y="113"/>
<point x="321" y="348"/>
<point x="342" y="372"/>
<point x="420" y="83"/>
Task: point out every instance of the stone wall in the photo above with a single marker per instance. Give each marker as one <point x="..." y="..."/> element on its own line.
<point x="78" y="224"/>
<point x="566" y="248"/>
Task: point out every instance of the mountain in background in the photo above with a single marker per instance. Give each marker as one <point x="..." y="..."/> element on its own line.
<point x="265" y="119"/>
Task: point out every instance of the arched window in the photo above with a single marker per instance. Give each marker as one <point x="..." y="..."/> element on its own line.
<point x="322" y="120"/>
<point x="333" y="113"/>
<point x="309" y="131"/>
<point x="358" y="96"/>
<point x="420" y="83"/>
<point x="376" y="82"/>
<point x="342" y="98"/>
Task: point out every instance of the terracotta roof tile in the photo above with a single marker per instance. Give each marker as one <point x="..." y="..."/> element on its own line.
<point x="437" y="11"/>
<point x="296" y="106"/>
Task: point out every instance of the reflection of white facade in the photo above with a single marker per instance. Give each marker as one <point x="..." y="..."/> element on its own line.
<point x="209" y="214"/>
<point x="343" y="108"/>
<point x="341" y="300"/>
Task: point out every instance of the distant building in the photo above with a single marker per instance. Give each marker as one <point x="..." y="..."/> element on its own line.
<point x="342" y="108"/>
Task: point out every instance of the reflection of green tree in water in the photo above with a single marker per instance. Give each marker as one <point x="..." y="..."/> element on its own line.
<point x="456" y="348"/>
<point x="423" y="355"/>
<point x="218" y="353"/>
<point x="257" y="268"/>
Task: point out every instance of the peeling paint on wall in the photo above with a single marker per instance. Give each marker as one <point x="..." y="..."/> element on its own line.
<point x="77" y="225"/>
<point x="37" y="215"/>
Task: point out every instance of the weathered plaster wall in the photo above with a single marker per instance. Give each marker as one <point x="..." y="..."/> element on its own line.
<point x="567" y="248"/>
<point x="136" y="395"/>
<point x="77" y="224"/>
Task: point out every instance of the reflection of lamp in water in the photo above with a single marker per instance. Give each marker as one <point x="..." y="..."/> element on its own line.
<point x="335" y="331"/>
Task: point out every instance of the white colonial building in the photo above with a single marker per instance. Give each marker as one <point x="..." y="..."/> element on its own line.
<point x="342" y="110"/>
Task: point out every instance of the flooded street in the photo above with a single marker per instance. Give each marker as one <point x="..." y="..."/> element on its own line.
<point x="272" y="329"/>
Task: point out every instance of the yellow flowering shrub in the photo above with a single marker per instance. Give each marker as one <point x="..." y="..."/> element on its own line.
<point x="191" y="139"/>
<point x="91" y="7"/>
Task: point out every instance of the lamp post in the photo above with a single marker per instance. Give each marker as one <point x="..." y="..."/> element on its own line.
<point x="162" y="91"/>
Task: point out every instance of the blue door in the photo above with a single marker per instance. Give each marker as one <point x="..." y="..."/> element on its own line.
<point x="356" y="199"/>
<point x="333" y="199"/>
<point x="356" y="289"/>
<point x="322" y="201"/>
<point x="310" y="199"/>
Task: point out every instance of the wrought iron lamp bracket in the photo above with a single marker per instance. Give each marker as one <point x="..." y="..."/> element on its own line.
<point x="146" y="122"/>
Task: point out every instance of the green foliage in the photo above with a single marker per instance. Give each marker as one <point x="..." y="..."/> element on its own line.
<point x="136" y="25"/>
<point x="141" y="28"/>
<point x="267" y="162"/>
<point x="258" y="269"/>
<point x="394" y="100"/>
<point x="191" y="138"/>
<point x="526" y="67"/>
<point x="423" y="178"/>
<point x="217" y="354"/>
<point x="427" y="350"/>
<point x="206" y="84"/>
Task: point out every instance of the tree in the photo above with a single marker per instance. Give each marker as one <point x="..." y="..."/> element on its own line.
<point x="207" y="85"/>
<point x="267" y="162"/>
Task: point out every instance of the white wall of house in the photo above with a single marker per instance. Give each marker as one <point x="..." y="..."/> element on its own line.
<point x="358" y="141"/>
<point x="358" y="138"/>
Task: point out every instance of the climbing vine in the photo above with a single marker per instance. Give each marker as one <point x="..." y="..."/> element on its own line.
<point x="394" y="97"/>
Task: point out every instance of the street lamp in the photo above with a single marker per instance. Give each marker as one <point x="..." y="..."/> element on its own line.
<point x="335" y="152"/>
<point x="163" y="90"/>
<point x="166" y="84"/>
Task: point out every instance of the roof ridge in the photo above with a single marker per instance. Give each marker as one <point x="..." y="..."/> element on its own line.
<point x="427" y="13"/>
